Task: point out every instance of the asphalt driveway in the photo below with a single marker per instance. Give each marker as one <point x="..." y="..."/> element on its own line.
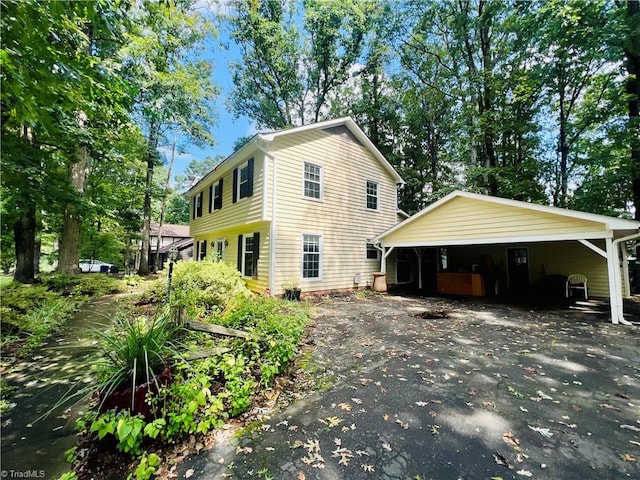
<point x="483" y="392"/>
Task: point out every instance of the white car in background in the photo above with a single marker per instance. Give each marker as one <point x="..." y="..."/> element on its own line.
<point x="94" y="266"/>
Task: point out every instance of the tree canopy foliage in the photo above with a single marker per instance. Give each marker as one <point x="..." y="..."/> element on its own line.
<point x="535" y="100"/>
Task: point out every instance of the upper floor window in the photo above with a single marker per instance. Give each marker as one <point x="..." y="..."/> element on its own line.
<point x="197" y="205"/>
<point x="312" y="180"/>
<point x="215" y="196"/>
<point x="311" y="256"/>
<point x="243" y="181"/>
<point x="372" y="195"/>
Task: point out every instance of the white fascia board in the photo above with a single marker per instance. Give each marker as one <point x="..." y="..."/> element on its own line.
<point x="239" y="156"/>
<point x="501" y="240"/>
<point x="612" y="223"/>
<point x="609" y="223"/>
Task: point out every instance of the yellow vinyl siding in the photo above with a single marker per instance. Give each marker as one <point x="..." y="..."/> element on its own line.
<point x="245" y="210"/>
<point x="469" y="219"/>
<point x="231" y="250"/>
<point x="565" y="258"/>
<point x="341" y="217"/>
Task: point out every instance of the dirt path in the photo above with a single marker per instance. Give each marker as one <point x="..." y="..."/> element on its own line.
<point x="488" y="392"/>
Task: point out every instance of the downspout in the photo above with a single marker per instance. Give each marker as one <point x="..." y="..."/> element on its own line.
<point x="617" y="305"/>
<point x="272" y="226"/>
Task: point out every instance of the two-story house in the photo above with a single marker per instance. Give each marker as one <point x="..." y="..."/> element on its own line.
<point x="298" y="205"/>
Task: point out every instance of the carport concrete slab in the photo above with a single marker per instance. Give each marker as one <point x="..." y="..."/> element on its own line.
<point x="489" y="392"/>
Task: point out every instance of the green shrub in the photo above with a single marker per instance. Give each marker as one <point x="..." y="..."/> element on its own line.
<point x="91" y="285"/>
<point x="204" y="288"/>
<point x="279" y="327"/>
<point x="153" y="291"/>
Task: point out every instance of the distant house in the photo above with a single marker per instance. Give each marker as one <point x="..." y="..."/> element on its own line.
<point x="172" y="236"/>
<point x="298" y="206"/>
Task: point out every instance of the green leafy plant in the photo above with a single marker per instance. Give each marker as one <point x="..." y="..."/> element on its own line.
<point x="126" y="428"/>
<point x="147" y="467"/>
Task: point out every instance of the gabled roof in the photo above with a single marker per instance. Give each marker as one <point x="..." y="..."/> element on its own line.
<point x="178" y="245"/>
<point x="258" y="142"/>
<point x="170" y="230"/>
<point x="609" y="223"/>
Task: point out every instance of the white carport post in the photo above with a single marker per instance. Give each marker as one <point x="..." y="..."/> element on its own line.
<point x="383" y="259"/>
<point x="419" y="252"/>
<point x="615" y="292"/>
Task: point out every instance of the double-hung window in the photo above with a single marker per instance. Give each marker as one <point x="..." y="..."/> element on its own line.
<point x="311" y="256"/>
<point x="247" y="256"/>
<point x="243" y="181"/>
<point x="197" y="205"/>
<point x="312" y="181"/>
<point x="372" y="195"/>
<point x="248" y="252"/>
<point x="372" y="252"/>
<point x="215" y="196"/>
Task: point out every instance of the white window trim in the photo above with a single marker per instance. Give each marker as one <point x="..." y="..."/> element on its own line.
<point x="213" y="200"/>
<point x="321" y="167"/>
<point x="366" y="191"/>
<point x="220" y="241"/>
<point x="244" y="254"/>
<point x="320" y="253"/>
<point x="366" y="249"/>
<point x="240" y="167"/>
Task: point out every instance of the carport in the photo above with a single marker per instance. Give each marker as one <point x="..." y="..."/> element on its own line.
<point x="489" y="245"/>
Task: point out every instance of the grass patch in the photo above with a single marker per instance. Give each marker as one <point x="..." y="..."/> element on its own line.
<point x="30" y="313"/>
<point x="5" y="280"/>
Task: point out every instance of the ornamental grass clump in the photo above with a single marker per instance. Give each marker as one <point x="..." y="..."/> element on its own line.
<point x="134" y="352"/>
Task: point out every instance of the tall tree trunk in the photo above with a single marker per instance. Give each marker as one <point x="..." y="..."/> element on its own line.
<point x="563" y="146"/>
<point x="632" y="54"/>
<point x="70" y="237"/>
<point x="486" y="100"/>
<point x="152" y="145"/>
<point x="24" y="232"/>
<point x="164" y="201"/>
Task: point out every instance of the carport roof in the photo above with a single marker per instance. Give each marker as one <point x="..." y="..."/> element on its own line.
<point x="463" y="218"/>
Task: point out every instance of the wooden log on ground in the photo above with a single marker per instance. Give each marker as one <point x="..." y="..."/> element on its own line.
<point x="217" y="329"/>
<point x="207" y="352"/>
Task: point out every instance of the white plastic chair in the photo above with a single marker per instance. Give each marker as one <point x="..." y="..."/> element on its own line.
<point x="577" y="281"/>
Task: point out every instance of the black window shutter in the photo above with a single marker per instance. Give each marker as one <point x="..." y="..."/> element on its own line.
<point x="256" y="252"/>
<point x="250" y="186"/>
<point x="210" y="198"/>
<point x="204" y="249"/>
<point x="219" y="205"/>
<point x="240" y="253"/>
<point x="197" y="250"/>
<point x="200" y="204"/>
<point x="193" y="212"/>
<point x="235" y="185"/>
